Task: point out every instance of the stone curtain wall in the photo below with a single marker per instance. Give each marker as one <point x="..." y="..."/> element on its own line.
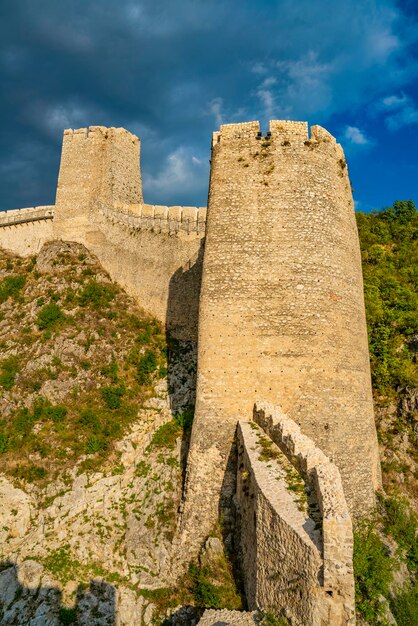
<point x="280" y="550"/>
<point x="323" y="477"/>
<point x="162" y="270"/>
<point x="160" y="219"/>
<point x="24" y="231"/>
<point x="281" y="311"/>
<point x="153" y="252"/>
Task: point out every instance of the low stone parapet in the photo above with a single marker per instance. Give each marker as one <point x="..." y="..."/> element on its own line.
<point x="323" y="478"/>
<point x="175" y="220"/>
<point x="22" y="216"/>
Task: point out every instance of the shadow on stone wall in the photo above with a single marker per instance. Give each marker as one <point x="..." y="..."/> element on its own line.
<point x="183" y="299"/>
<point x="24" y="600"/>
<point x="182" y="332"/>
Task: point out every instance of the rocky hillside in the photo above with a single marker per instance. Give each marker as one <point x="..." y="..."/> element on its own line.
<point x="96" y="411"/>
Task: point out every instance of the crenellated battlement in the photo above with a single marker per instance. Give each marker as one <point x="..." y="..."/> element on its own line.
<point x="174" y="220"/>
<point x="93" y="132"/>
<point x="289" y="130"/>
<point x="282" y="138"/>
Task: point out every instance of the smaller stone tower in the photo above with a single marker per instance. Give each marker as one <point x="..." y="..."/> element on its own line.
<point x="99" y="166"/>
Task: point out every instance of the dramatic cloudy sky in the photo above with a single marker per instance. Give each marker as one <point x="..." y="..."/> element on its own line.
<point x="171" y="71"/>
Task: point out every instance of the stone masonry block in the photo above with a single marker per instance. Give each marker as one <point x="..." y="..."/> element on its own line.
<point x="174" y="213"/>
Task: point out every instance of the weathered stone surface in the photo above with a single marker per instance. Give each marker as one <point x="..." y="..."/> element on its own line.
<point x="282" y="313"/>
<point x="212" y="617"/>
<point x="15" y="512"/>
<point x="329" y="594"/>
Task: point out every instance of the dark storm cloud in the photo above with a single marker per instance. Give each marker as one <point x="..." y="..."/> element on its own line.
<point x="173" y="71"/>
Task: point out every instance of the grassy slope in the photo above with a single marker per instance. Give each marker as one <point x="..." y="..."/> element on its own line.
<point x="78" y="358"/>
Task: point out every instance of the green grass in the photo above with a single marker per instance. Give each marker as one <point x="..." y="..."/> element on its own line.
<point x="147" y="364"/>
<point x="97" y="295"/>
<point x="269" y="450"/>
<point x="50" y="316"/>
<point x="9" y="369"/>
<point x="401" y="523"/>
<point x="112" y="396"/>
<point x="11" y="286"/>
<point x="166" y="436"/>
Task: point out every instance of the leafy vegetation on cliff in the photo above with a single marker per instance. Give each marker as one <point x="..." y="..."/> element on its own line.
<point x="385" y="547"/>
<point x="388" y="241"/>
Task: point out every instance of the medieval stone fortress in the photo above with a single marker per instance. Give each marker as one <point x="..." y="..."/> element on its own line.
<point x="268" y="280"/>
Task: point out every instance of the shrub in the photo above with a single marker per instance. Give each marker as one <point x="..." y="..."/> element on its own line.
<point x="402" y="524"/>
<point x="111" y="371"/>
<point x="97" y="295"/>
<point x="95" y="444"/>
<point x="205" y="593"/>
<point x="10" y="287"/>
<point x="147" y="364"/>
<point x="31" y="473"/>
<point x="56" y="413"/>
<point x="8" y="370"/>
<point x="185" y="419"/>
<point x="405" y="606"/>
<point x="270" y="619"/>
<point x="372" y="571"/>
<point x="112" y="396"/>
<point x="166" y="435"/>
<point x="49" y="316"/>
<point x="23" y="422"/>
<point x="89" y="420"/>
<point x="67" y="616"/>
<point x="4" y="442"/>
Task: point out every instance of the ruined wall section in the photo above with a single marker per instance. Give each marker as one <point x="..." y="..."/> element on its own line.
<point x="286" y="562"/>
<point x="281" y="312"/>
<point x="24" y="231"/>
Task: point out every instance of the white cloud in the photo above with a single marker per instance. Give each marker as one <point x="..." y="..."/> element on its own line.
<point x="265" y="94"/>
<point x="183" y="171"/>
<point x="400" y="110"/>
<point x="258" y="68"/>
<point x="356" y="136"/>
<point x="294" y="87"/>
<point x="393" y="102"/>
<point x="215" y="107"/>
<point x="64" y="116"/>
<point x="352" y="57"/>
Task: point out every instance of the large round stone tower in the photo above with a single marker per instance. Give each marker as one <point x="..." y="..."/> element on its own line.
<point x="282" y="313"/>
